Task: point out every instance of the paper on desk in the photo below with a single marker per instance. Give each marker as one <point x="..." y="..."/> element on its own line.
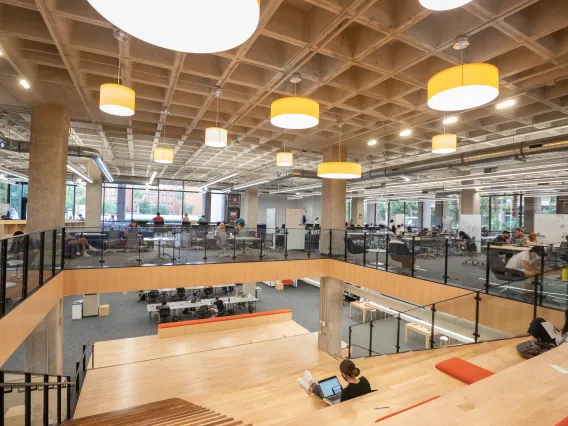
<point x="560" y="369"/>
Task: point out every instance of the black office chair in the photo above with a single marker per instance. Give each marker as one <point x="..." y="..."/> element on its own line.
<point x="501" y="271"/>
<point x="471" y="251"/>
<point x="153" y="296"/>
<point x="353" y="249"/>
<point x="203" y="312"/>
<point x="400" y="253"/>
<point x="208" y="291"/>
<point x="180" y="293"/>
<point x="164" y="313"/>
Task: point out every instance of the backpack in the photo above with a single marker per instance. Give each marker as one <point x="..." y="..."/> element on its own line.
<point x="531" y="348"/>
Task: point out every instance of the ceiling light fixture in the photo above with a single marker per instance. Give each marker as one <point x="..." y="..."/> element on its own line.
<point x="294" y="112"/>
<point x="444" y="144"/>
<point x="219" y="179"/>
<point x="443" y="4"/>
<point x="116" y="99"/>
<point x="151" y="181"/>
<point x="164" y="155"/>
<point x="372" y="142"/>
<point x="339" y="169"/>
<point x="406" y="132"/>
<point x="284" y="158"/>
<point x="450" y="120"/>
<point x="79" y="173"/>
<point x="25" y="83"/>
<point x="296" y="188"/>
<point x="205" y="26"/>
<point x="464" y="86"/>
<point x="506" y="104"/>
<point x="216" y="137"/>
<point x="11" y="173"/>
<point x="248" y="184"/>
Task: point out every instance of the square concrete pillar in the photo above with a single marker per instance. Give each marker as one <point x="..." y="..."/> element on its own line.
<point x="250" y="207"/>
<point x="94" y="194"/>
<point x="357" y="211"/>
<point x="333" y="207"/>
<point x="330" y="331"/>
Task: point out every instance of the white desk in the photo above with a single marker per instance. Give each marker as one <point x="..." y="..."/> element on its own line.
<point x="376" y="251"/>
<point x="244" y="240"/>
<point x="183" y="304"/>
<point x="160" y="240"/>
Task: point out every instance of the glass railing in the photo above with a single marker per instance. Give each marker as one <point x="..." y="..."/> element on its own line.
<point x="28" y="261"/>
<point x="471" y="318"/>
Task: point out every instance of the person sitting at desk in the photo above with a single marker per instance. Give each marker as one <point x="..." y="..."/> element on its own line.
<point x="503" y="238"/>
<point x="531" y="239"/>
<point x="163" y="312"/>
<point x="80" y="241"/>
<point x="241" y="221"/>
<point x="219" y="305"/>
<point x="220" y="228"/>
<point x="529" y="263"/>
<point x="194" y="298"/>
<point x="425" y="232"/>
<point x="518" y="237"/>
<point x="185" y="218"/>
<point x="356" y="386"/>
<point x="316" y="221"/>
<point x="158" y="220"/>
<point x="399" y="230"/>
<point x="203" y="220"/>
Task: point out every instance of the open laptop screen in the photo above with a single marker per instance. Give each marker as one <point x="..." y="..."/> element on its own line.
<point x="330" y="386"/>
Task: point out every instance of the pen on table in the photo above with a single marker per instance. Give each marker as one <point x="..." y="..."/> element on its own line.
<point x="380" y="408"/>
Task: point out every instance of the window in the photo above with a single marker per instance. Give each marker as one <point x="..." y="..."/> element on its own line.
<point x="411" y="214"/>
<point x="347" y="211"/>
<point x="382" y="213"/>
<point x="547" y="205"/>
<point x="16" y="201"/>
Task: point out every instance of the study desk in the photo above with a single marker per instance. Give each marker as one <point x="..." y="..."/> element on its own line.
<point x="244" y="240"/>
<point x="201" y="287"/>
<point x="363" y="307"/>
<point x="376" y="251"/>
<point x="420" y="329"/>
<point x="161" y="253"/>
<point x="186" y="304"/>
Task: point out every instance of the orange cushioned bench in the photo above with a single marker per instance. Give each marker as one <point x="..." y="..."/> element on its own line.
<point x="462" y="370"/>
<point x="406" y="409"/>
<point x="208" y="325"/>
<point x="563" y="422"/>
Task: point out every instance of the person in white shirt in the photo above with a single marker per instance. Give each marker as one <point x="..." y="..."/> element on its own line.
<point x="545" y="332"/>
<point x="529" y="263"/>
<point x="316" y="221"/>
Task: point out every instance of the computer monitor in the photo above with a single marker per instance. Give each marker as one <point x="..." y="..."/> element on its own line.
<point x="330" y="386"/>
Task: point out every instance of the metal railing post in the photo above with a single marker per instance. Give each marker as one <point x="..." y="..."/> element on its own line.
<point x="59" y="379"/>
<point x="54" y="251"/>
<point x="204" y="246"/>
<point x="432" y="331"/>
<point x="309" y="243"/>
<point x="330" y="242"/>
<point x="45" y="400"/>
<point x="102" y="260"/>
<point x="447" y="252"/>
<point x="84" y="358"/>
<point x="398" y="333"/>
<point x="345" y="247"/>
<point x="41" y="253"/>
<point x="93" y="356"/>
<point x="413" y="255"/>
<point x="3" y="277"/>
<point x="476" y="332"/>
<point x="487" y="270"/>
<point x="364" y="248"/>
<point x="25" y="267"/>
<point x="62" y="247"/>
<point x="286" y="244"/>
<point x="349" y="345"/>
<point x="2" y="400"/>
<point x="262" y="236"/>
<point x="235" y="245"/>
<point x="541" y="280"/>
<point x="28" y="400"/>
<point x="68" y="397"/>
<point x="387" y="254"/>
<point x="371" y="338"/>
<point x="78" y="377"/>
<point x="535" y="298"/>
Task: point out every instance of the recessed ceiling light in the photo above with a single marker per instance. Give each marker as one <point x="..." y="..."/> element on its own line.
<point x="450" y="120"/>
<point x="372" y="142"/>
<point x="406" y="132"/>
<point x="25" y="83"/>
<point x="1" y="53"/>
<point x="506" y="104"/>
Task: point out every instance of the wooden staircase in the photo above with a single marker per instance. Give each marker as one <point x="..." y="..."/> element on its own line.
<point x="170" y="412"/>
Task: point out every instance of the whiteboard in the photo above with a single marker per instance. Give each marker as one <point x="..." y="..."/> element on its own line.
<point x="471" y="225"/>
<point x="294" y="218"/>
<point x="270" y="218"/>
<point x="551" y="228"/>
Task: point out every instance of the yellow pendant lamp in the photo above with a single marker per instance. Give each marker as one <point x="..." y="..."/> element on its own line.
<point x="444" y="144"/>
<point x="294" y="112"/>
<point x="339" y="169"/>
<point x="116" y="99"/>
<point x="464" y="86"/>
<point x="216" y="137"/>
<point x="284" y="159"/>
<point x="164" y="155"/>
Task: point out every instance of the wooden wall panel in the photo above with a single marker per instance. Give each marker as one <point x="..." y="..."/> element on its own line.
<point x="19" y="323"/>
<point x="81" y="281"/>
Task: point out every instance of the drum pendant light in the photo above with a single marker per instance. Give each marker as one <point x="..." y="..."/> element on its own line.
<point x="443" y="4"/>
<point x="116" y="99"/>
<point x="164" y="155"/>
<point x="216" y="137"/>
<point x="464" y="86"/>
<point x="339" y="169"/>
<point x="192" y="26"/>
<point x="294" y="112"/>
<point x="284" y="158"/>
<point x="444" y="144"/>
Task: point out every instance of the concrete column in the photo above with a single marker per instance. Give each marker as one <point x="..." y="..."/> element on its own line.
<point x="250" y="207"/>
<point x="562" y="205"/>
<point x="357" y="210"/>
<point x="47" y="167"/>
<point x="532" y="206"/>
<point x="330" y="333"/>
<point x="470" y="202"/>
<point x="442" y="209"/>
<point x="333" y="207"/>
<point x="420" y="221"/>
<point x="43" y="348"/>
<point x="94" y="194"/>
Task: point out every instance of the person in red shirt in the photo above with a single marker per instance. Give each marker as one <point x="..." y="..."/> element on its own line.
<point x="158" y="220"/>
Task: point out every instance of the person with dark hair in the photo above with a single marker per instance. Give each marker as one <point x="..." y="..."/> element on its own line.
<point x="543" y="331"/>
<point x="393" y="227"/>
<point x="158" y="220"/>
<point x="503" y="238"/>
<point x="356" y="386"/>
<point x="529" y="263"/>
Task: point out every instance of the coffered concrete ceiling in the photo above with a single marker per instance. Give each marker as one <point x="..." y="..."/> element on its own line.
<point x="367" y="62"/>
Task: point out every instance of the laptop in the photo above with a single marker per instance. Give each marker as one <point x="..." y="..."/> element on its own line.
<point x="331" y="390"/>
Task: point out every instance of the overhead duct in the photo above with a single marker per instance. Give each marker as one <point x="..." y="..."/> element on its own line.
<point x="72" y="151"/>
<point x="523" y="149"/>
